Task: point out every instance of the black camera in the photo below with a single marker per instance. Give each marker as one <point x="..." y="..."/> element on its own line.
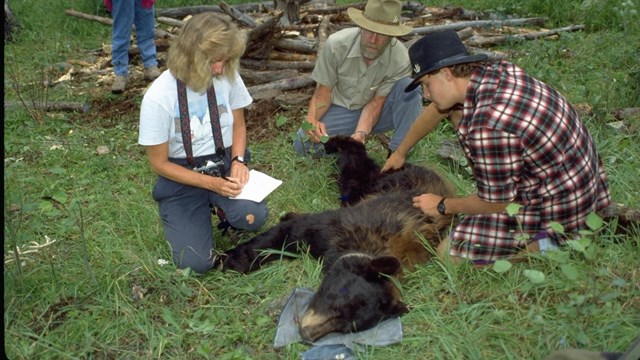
<point x="212" y="168"/>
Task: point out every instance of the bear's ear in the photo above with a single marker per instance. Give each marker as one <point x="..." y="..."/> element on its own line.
<point x="387" y="265"/>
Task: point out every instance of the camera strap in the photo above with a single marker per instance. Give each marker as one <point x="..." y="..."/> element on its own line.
<point x="185" y="121"/>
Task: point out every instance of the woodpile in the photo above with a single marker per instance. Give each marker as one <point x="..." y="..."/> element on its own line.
<point x="285" y="36"/>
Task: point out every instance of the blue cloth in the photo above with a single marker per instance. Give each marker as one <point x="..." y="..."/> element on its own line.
<point x="387" y="332"/>
<point x="399" y="112"/>
<point x="125" y="14"/>
<point x="185" y="212"/>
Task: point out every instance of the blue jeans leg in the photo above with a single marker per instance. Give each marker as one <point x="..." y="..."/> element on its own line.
<point x="145" y="34"/>
<point x="122" y="13"/>
<point x="186" y="217"/>
<point x="400" y="110"/>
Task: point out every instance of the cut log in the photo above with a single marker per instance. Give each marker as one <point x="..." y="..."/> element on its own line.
<point x="262" y="39"/>
<point x="267" y="27"/>
<point x="106" y="21"/>
<point x="627" y="218"/>
<point x="300" y="44"/>
<point x="465" y="33"/>
<point x="491" y="55"/>
<point x="275" y="65"/>
<point x="238" y="15"/>
<point x="170" y="21"/>
<point x="626" y="113"/>
<point x="323" y="32"/>
<point x="284" y="56"/>
<point x="261" y="77"/>
<point x="300" y="27"/>
<point x="501" y="39"/>
<point x="334" y="9"/>
<point x="292" y="99"/>
<point x="184" y="11"/>
<point x="257" y="92"/>
<point x="100" y="19"/>
<point x="478" y="23"/>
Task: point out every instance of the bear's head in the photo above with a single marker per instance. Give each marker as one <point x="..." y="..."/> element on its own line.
<point x="357" y="292"/>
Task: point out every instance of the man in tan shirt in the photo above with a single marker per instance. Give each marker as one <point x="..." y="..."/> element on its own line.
<point x="361" y="74"/>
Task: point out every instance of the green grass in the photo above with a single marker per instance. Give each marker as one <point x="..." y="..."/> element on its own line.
<point x="98" y="291"/>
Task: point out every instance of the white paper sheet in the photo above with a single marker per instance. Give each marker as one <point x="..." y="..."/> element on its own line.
<point x="259" y="186"/>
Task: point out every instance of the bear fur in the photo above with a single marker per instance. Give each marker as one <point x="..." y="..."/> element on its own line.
<point x="375" y="235"/>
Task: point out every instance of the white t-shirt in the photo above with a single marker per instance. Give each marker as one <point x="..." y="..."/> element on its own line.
<point x="160" y="114"/>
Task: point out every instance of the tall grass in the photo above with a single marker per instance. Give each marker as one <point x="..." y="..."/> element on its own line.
<point x="93" y="286"/>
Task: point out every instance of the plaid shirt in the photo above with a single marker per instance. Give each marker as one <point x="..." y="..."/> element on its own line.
<point x="526" y="145"/>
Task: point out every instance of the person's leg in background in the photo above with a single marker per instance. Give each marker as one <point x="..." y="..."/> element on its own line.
<point x="123" y="13"/>
<point x="144" y="21"/>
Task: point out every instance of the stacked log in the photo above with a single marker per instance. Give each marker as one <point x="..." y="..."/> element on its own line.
<point x="284" y="36"/>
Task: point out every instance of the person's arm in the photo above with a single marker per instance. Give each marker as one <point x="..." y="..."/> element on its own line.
<point x="318" y="106"/>
<point x="239" y="170"/>
<point x="158" y="157"/>
<point x="368" y="118"/>
<point x="428" y="120"/>
<point x="468" y="205"/>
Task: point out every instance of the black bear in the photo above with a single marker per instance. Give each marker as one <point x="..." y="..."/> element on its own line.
<point x="374" y="236"/>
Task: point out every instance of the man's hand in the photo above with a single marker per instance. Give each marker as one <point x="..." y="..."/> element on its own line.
<point x="428" y="203"/>
<point x="394" y="162"/>
<point x="360" y="136"/>
<point x="316" y="130"/>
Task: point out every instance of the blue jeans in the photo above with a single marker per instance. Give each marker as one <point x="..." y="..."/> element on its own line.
<point x="185" y="212"/>
<point x="399" y="112"/>
<point x="125" y="14"/>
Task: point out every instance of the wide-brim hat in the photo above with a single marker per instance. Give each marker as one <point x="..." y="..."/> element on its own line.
<point x="435" y="51"/>
<point x="380" y="16"/>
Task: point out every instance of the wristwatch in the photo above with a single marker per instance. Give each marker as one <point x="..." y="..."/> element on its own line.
<point x="239" y="159"/>
<point x="441" y="208"/>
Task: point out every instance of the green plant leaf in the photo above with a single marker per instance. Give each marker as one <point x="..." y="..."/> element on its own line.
<point x="501" y="266"/>
<point x="594" y="222"/>
<point x="619" y="282"/>
<point x="512" y="209"/>
<point x="576" y="245"/>
<point x="557" y="227"/>
<point x="535" y="276"/>
<point x="582" y="338"/>
<point x="167" y="315"/>
<point x="281" y="120"/>
<point x="569" y="271"/>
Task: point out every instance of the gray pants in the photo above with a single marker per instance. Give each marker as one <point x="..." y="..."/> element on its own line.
<point x="399" y="112"/>
<point x="185" y="212"/>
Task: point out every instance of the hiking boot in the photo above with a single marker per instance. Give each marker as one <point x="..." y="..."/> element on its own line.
<point x="119" y="84"/>
<point x="151" y="73"/>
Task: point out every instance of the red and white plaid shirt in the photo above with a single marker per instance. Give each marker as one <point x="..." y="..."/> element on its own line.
<point x="526" y="145"/>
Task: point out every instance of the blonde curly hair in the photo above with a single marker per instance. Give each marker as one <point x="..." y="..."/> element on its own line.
<point x="205" y="39"/>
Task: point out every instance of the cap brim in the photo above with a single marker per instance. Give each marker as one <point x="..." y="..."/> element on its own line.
<point x="441" y="64"/>
<point x="357" y="17"/>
